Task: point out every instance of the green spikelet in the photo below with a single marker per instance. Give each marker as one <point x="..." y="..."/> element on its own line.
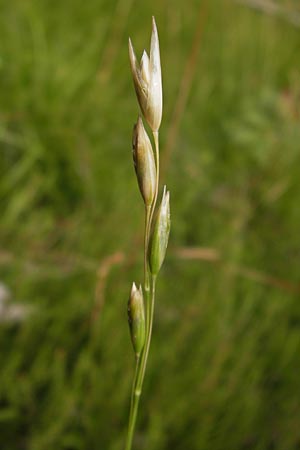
<point x="136" y="318"/>
<point x="160" y="235"/>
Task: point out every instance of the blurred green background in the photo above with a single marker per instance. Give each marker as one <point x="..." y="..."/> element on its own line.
<point x="224" y="366"/>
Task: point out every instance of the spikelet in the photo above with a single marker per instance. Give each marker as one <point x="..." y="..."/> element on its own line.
<point x="136" y="318"/>
<point x="160" y="235"/>
<point x="147" y="80"/>
<point x="144" y="163"/>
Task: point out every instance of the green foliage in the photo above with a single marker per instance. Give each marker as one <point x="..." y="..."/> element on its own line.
<point x="223" y="372"/>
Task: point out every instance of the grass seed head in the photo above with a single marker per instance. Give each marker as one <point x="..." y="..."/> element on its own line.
<point x="147" y="80"/>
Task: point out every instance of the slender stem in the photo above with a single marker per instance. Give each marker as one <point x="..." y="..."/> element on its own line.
<point x="149" y="313"/>
<point x="146" y="243"/>
<point x="149" y="289"/>
<point x="145" y="354"/>
<point x="133" y="407"/>
<point x="137" y="363"/>
<point x="156" y="142"/>
<point x="140" y="372"/>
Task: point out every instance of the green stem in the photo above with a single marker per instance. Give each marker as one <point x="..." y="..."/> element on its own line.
<point x="149" y="313"/>
<point x="156" y="142"/>
<point x="149" y="289"/>
<point x="145" y="354"/>
<point x="133" y="407"/>
<point x="140" y="372"/>
<point x="146" y="243"/>
<point x="134" y="394"/>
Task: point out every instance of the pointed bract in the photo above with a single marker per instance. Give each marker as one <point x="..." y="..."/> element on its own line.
<point x="141" y="88"/>
<point x="154" y="98"/>
<point x="145" y="67"/>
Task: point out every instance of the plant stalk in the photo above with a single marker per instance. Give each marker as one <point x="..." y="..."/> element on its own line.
<point x="156" y="143"/>
<point x="149" y="289"/>
<point x="140" y="370"/>
<point x="133" y="408"/>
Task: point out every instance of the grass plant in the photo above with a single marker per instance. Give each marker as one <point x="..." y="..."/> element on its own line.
<point x="224" y="364"/>
<point x="148" y="87"/>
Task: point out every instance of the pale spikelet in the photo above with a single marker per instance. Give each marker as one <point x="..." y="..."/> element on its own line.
<point x="144" y="162"/>
<point x="147" y="80"/>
